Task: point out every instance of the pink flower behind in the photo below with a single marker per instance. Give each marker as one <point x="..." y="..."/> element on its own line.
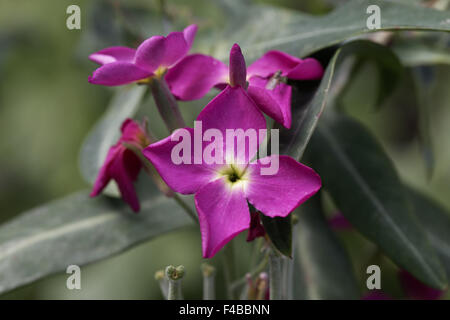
<point x="122" y="165"/>
<point x="122" y="65"/>
<point x="196" y="74"/>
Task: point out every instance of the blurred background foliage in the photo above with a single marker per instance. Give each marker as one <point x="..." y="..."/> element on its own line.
<point x="47" y="108"/>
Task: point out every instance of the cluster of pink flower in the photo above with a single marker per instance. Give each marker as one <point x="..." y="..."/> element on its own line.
<point x="221" y="192"/>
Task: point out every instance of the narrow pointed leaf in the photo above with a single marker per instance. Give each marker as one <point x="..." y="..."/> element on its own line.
<point x="436" y="221"/>
<point x="363" y="183"/>
<point x="279" y="231"/>
<point x="300" y="35"/>
<point x="322" y="267"/>
<point x="79" y="230"/>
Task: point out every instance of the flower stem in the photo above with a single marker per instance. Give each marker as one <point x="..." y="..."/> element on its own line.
<point x="275" y="276"/>
<point x="163" y="282"/>
<point x="209" y="273"/>
<point x="186" y="207"/>
<point x="229" y="264"/>
<point x="166" y="104"/>
<point x="174" y="275"/>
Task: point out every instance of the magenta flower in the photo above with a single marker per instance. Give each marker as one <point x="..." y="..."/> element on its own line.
<point x="122" y="165"/>
<point x="122" y="65"/>
<point x="223" y="188"/>
<point x="415" y="289"/>
<point x="196" y="74"/>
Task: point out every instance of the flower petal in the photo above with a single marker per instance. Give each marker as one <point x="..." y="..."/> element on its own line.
<point x="118" y="73"/>
<point x="195" y="75"/>
<point x="104" y="175"/>
<point x="415" y="289"/>
<point x="176" y="48"/>
<point x="183" y="178"/>
<point x="276" y="103"/>
<point x="150" y="53"/>
<point x="256" y="229"/>
<point x="238" y="70"/>
<point x="125" y="169"/>
<point x="189" y="34"/>
<point x="113" y="54"/>
<point x="271" y="62"/>
<point x="223" y="213"/>
<point x="307" y="69"/>
<point x="280" y="193"/>
<point x="230" y="110"/>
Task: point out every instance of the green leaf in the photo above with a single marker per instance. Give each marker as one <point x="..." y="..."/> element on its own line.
<point x="389" y="67"/>
<point x="301" y="35"/>
<point x="305" y="115"/>
<point x="436" y="221"/>
<point x="362" y="181"/>
<point x="322" y="267"/>
<point x="414" y="53"/>
<point x="125" y="103"/>
<point x="79" y="230"/>
<point x="279" y="231"/>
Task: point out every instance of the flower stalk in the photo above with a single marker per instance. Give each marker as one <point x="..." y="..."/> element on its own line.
<point x="166" y="104"/>
<point x="275" y="276"/>
<point x="163" y="282"/>
<point x="209" y="273"/>
<point x="174" y="276"/>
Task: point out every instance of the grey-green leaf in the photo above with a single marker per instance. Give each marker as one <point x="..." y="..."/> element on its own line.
<point x="279" y="231"/>
<point x="301" y="35"/>
<point x="322" y="267"/>
<point x="79" y="230"/>
<point x="305" y="116"/>
<point x="363" y="183"/>
<point x="125" y="103"/>
<point x="436" y="221"/>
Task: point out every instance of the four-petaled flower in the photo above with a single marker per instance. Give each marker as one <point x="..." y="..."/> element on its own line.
<point x="122" y="164"/>
<point x="196" y="74"/>
<point x="222" y="190"/>
<point x="122" y="65"/>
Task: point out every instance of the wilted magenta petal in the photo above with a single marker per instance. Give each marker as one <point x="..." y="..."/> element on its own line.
<point x="195" y="75"/>
<point x="230" y="110"/>
<point x="176" y="48"/>
<point x="256" y="229"/>
<point x="415" y="289"/>
<point x="223" y="213"/>
<point x="271" y="62"/>
<point x="189" y="34"/>
<point x="238" y="70"/>
<point x="183" y="178"/>
<point x="150" y="53"/>
<point x="339" y="222"/>
<point x="280" y="193"/>
<point x="104" y="175"/>
<point x="113" y="54"/>
<point x="276" y="103"/>
<point x="307" y="69"/>
<point x="118" y="73"/>
<point x="125" y="169"/>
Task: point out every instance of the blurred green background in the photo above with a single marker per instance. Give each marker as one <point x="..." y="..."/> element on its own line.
<point x="47" y="108"/>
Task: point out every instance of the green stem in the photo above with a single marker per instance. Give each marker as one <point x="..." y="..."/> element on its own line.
<point x="275" y="276"/>
<point x="186" y="207"/>
<point x="209" y="290"/>
<point x="260" y="268"/>
<point x="229" y="264"/>
<point x="166" y="104"/>
<point x="174" y="275"/>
